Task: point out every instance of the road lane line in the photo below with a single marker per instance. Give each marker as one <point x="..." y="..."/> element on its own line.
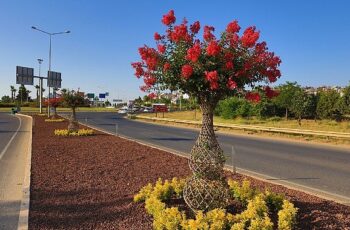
<point x="12" y="138"/>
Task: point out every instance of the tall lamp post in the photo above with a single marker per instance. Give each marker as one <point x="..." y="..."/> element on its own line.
<point x="50" y="35"/>
<point x="40" y="86"/>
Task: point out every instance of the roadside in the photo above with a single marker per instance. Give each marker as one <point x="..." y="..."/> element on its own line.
<point x="259" y="131"/>
<point x="12" y="173"/>
<point x="89" y="182"/>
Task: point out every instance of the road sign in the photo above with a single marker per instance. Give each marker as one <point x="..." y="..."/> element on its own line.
<point x="102" y="95"/>
<point x="107" y="94"/>
<point x="117" y="100"/>
<point x="24" y="75"/>
<point x="91" y="95"/>
<point x="54" y="79"/>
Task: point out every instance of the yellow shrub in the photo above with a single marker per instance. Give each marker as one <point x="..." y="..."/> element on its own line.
<point x="54" y="120"/>
<point x="286" y="216"/>
<point x="254" y="217"/>
<point x="217" y="219"/>
<point x="162" y="191"/>
<point x="178" y="186"/>
<point x="81" y="132"/>
<point x="154" y="206"/>
<point x="244" y="192"/>
<point x="200" y="223"/>
<point x="169" y="219"/>
<point x="144" y="193"/>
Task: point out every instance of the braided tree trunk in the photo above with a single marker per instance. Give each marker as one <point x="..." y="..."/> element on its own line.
<point x="206" y="189"/>
<point x="73" y="125"/>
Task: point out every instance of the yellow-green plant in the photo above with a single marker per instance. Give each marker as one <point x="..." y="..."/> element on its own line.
<point x="54" y="120"/>
<point x="80" y="132"/>
<point x="254" y="217"/>
<point x="286" y="216"/>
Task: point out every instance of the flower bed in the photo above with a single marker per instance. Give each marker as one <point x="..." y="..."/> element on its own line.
<point x="258" y="208"/>
<point x="90" y="183"/>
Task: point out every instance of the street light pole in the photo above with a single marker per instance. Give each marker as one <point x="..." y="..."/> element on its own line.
<point x="50" y="35"/>
<point x="40" y="86"/>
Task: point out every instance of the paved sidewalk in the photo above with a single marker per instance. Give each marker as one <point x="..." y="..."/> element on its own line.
<point x="12" y="172"/>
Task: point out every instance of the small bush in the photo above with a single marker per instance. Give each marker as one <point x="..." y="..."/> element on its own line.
<point x="54" y="120"/>
<point x="81" y="132"/>
<point x="286" y="216"/>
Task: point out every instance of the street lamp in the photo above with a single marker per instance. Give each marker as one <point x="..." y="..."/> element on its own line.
<point x="50" y="35"/>
<point x="40" y="86"/>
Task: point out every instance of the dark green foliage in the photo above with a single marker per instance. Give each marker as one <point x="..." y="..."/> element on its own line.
<point x="328" y="106"/>
<point x="5" y="99"/>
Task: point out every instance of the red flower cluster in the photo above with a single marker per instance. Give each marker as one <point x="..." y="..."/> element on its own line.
<point x="169" y="18"/>
<point x="194" y="52"/>
<point x="166" y="67"/>
<point x="208" y="35"/>
<point x="213" y="48"/>
<point x="233" y="27"/>
<point x="180" y="33"/>
<point x="229" y="65"/>
<point x="195" y="27"/>
<point x="270" y="93"/>
<point x="157" y="36"/>
<point x="138" y="69"/>
<point x="187" y="71"/>
<point x="254" y="97"/>
<point x="212" y="77"/>
<point x="149" y="80"/>
<point x="149" y="55"/>
<point x="250" y="36"/>
<point x="54" y="102"/>
<point x="152" y="95"/>
<point x="231" y="84"/>
<point x="161" y="48"/>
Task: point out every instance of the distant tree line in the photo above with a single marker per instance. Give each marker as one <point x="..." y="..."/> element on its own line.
<point x="292" y="102"/>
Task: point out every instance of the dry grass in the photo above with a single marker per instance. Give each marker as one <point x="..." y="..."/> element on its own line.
<point x="319" y="125"/>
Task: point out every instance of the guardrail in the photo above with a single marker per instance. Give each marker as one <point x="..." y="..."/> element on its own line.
<point x="256" y="128"/>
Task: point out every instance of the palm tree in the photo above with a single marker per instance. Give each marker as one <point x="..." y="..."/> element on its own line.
<point x="13" y="91"/>
<point x="28" y="92"/>
<point x="37" y="87"/>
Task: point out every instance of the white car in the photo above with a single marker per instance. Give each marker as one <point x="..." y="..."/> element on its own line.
<point x="122" y="111"/>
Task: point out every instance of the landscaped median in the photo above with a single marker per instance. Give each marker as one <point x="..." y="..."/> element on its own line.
<point x="90" y="182"/>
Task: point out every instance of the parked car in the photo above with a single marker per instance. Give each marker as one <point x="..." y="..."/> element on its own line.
<point x="122" y="111"/>
<point x="147" y="110"/>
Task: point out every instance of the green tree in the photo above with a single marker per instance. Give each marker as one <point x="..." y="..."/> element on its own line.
<point x="328" y="105"/>
<point x="286" y="95"/>
<point x="345" y="101"/>
<point x="72" y="99"/>
<point x="22" y="94"/>
<point x="5" y="99"/>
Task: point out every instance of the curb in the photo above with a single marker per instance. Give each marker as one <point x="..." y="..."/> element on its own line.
<point x="262" y="177"/>
<point x="24" y="209"/>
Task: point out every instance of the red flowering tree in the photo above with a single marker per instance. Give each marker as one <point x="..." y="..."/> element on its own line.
<point x="54" y="103"/>
<point x="209" y="69"/>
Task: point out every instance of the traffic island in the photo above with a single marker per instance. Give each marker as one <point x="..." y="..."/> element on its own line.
<point x="90" y="182"/>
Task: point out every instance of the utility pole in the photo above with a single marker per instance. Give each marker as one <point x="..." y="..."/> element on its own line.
<point x="41" y="87"/>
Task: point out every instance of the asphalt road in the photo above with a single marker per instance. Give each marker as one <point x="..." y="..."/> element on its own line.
<point x="320" y="168"/>
<point x="8" y="126"/>
<point x="14" y="142"/>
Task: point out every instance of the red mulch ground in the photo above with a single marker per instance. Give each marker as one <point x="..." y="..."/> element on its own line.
<point x="89" y="183"/>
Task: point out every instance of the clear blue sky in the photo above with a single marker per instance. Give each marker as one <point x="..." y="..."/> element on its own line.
<point x="311" y="37"/>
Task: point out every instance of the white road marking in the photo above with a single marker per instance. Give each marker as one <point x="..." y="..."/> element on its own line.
<point x="13" y="137"/>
